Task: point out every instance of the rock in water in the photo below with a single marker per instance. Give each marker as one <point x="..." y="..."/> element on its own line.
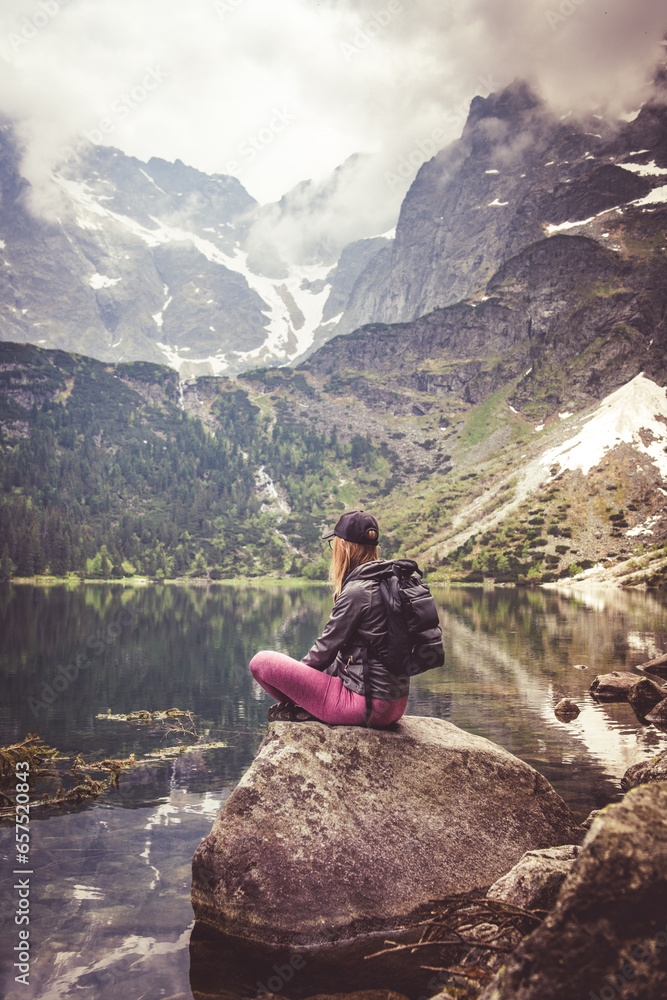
<point x="658" y="715"/>
<point x="644" y="695"/>
<point x="654" y="769"/>
<point x="614" y="686"/>
<point x="607" y="935"/>
<point x="658" y="667"/>
<point x="566" y="710"/>
<point x="337" y="832"/>
<point x="534" y="883"/>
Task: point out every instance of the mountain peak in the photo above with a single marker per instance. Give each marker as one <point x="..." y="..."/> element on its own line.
<point x="516" y="176"/>
<point x="513" y="101"/>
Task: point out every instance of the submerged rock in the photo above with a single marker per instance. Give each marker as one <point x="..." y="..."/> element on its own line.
<point x="614" y="686"/>
<point x="338" y="832"/>
<point x="566" y="710"/>
<point x="607" y="934"/>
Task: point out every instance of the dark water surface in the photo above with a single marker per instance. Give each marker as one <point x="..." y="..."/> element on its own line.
<point x="110" y="913"/>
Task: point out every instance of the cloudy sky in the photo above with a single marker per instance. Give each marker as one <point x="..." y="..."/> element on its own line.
<point x="276" y="91"/>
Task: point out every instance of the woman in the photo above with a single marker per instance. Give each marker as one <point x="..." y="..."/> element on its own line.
<point x="328" y="684"/>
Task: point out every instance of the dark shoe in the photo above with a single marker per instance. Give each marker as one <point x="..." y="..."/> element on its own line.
<point x="288" y="711"/>
<point x="273" y="712"/>
<point x="298" y="714"/>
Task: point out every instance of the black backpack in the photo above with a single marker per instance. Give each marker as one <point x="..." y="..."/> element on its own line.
<point x="413" y="628"/>
<point x="414" y="636"/>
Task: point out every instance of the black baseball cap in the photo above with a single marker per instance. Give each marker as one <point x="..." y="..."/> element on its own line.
<point x="355" y="526"/>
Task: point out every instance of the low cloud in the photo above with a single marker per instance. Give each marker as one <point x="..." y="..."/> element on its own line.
<point x="289" y="91"/>
<point x="314" y="221"/>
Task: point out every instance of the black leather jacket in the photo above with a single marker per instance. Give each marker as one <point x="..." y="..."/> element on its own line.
<point x="358" y="621"/>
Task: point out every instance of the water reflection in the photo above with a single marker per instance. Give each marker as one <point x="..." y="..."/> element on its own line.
<point x="111" y="913"/>
<point x="155" y="647"/>
<point x="512" y="655"/>
<point x="110" y="910"/>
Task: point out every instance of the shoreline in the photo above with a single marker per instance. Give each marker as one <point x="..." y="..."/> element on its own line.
<point x="284" y="582"/>
<point x="639" y="573"/>
<point x="144" y="581"/>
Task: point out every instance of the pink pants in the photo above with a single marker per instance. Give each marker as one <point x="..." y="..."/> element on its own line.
<point x="323" y="696"/>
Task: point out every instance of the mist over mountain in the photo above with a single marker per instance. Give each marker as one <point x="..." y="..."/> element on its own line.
<point x="490" y="381"/>
<point x="518" y="174"/>
<point x="157" y="261"/>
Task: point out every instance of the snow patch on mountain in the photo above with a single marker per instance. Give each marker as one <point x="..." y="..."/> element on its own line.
<point x="646" y="528"/>
<point x="636" y="414"/>
<point x="214" y="364"/>
<point x="644" y="169"/>
<point x="655" y="197"/>
<point x="561" y="227"/>
<point x="98" y="281"/>
<point x="293" y="312"/>
<point x="148" y="177"/>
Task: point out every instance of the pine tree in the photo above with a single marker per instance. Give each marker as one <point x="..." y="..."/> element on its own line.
<point x="6" y="566"/>
<point x="105" y="563"/>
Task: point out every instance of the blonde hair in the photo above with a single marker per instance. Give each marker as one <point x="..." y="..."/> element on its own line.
<point x="347" y="556"/>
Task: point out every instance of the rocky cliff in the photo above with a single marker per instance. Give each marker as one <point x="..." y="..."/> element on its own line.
<point x="159" y="262"/>
<point x="517" y="175"/>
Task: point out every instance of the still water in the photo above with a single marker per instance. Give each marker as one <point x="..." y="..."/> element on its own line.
<point x="110" y="914"/>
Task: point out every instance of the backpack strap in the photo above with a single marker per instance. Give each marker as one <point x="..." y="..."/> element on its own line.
<point x="367" y="684"/>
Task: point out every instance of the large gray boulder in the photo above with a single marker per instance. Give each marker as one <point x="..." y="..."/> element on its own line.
<point x="607" y="935"/>
<point x="338" y="832"/>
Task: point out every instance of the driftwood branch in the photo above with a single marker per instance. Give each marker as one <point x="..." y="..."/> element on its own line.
<point x="452" y="918"/>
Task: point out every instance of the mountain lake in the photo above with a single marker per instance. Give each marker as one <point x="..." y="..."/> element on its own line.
<point x="109" y="901"/>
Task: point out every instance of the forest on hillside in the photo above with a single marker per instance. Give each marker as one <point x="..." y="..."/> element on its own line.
<point x="108" y="477"/>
